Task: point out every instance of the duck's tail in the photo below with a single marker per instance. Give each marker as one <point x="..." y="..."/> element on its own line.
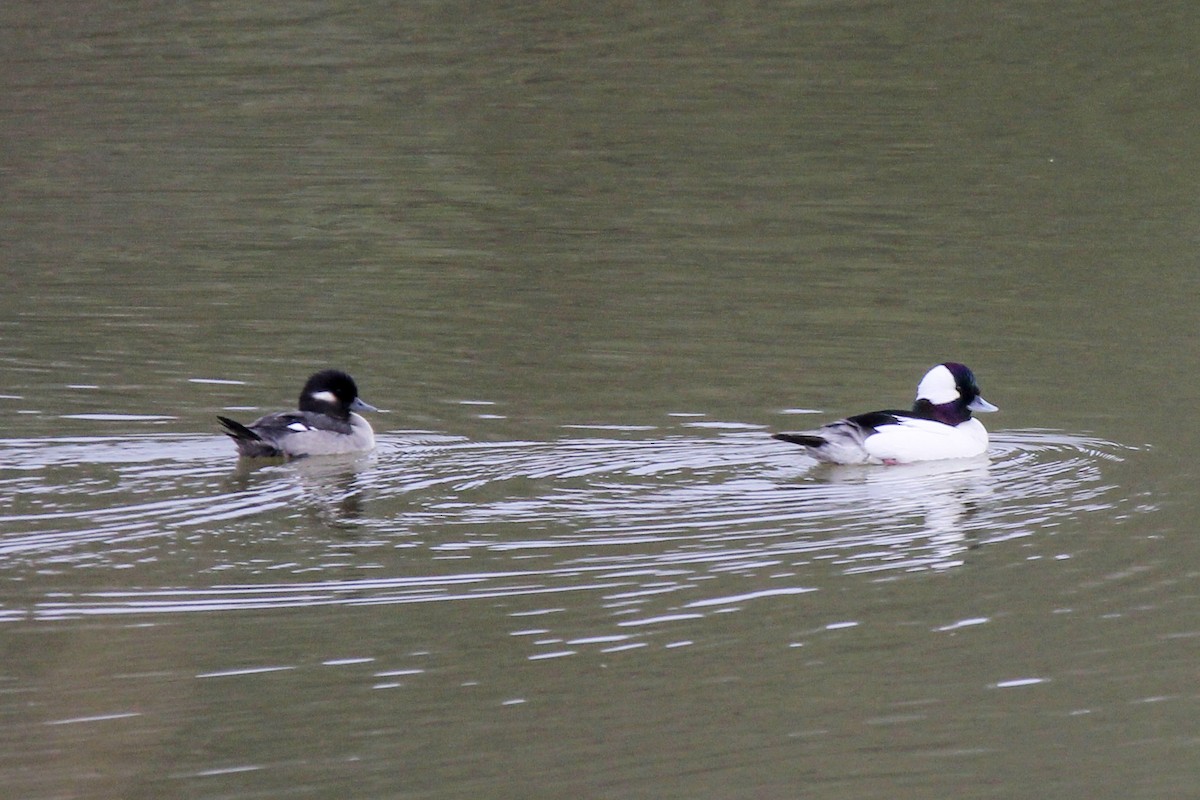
<point x="806" y="439"/>
<point x="237" y="430"/>
<point x="248" y="442"/>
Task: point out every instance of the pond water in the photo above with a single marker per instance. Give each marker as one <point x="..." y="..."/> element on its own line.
<point x="587" y="261"/>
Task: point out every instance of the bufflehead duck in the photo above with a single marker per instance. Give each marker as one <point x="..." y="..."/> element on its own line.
<point x="325" y="424"/>
<point x="939" y="426"/>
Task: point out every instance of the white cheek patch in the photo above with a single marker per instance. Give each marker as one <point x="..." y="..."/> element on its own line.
<point x="324" y="397"/>
<point x="298" y="427"/>
<point x="938" y="386"/>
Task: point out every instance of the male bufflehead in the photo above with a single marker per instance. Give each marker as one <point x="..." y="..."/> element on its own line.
<point x="939" y="426"/>
<point x="325" y="424"/>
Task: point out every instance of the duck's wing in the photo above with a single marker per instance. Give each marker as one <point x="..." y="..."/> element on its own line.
<point x="281" y="423"/>
<point x="843" y="441"/>
<point x="282" y="433"/>
<point x="857" y="427"/>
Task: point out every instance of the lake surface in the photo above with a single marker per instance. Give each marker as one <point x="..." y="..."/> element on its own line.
<point x="588" y="260"/>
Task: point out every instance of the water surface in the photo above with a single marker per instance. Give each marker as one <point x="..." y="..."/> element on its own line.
<point x="588" y="262"/>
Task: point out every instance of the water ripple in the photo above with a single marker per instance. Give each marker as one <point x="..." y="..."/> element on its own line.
<point x="649" y="526"/>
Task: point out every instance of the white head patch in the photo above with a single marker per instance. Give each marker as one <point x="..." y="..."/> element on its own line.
<point x="325" y="396"/>
<point x="938" y="386"/>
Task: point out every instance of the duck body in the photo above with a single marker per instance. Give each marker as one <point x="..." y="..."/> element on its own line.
<point x="939" y="426"/>
<point x="324" y="424"/>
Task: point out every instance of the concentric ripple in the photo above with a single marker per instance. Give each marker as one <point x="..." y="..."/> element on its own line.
<point x="644" y="525"/>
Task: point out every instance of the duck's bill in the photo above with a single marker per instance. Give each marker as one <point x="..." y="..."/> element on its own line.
<point x="979" y="404"/>
<point x="360" y="405"/>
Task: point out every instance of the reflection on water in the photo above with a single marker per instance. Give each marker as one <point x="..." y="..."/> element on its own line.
<point x="649" y="528"/>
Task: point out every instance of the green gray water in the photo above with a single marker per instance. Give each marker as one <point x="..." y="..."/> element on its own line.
<point x="588" y="259"/>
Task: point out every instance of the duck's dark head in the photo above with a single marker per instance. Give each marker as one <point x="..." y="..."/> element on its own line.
<point x="334" y="393"/>
<point x="948" y="393"/>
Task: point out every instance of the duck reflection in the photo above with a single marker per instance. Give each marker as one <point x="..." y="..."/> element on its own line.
<point x="942" y="496"/>
<point x="330" y="487"/>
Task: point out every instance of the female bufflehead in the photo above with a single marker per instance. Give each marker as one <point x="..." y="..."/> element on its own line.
<point x="939" y="426"/>
<point x="325" y="424"/>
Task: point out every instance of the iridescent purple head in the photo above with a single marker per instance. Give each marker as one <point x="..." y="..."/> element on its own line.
<point x="949" y="393"/>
